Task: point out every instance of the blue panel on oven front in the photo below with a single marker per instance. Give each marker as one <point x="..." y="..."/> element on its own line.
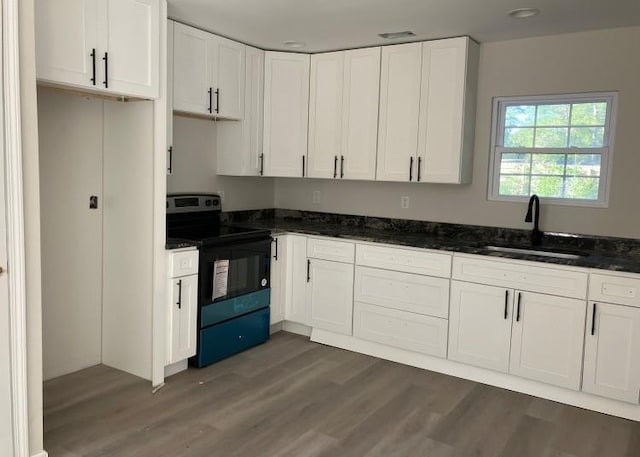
<point x="233" y="307"/>
<point x="223" y="340"/>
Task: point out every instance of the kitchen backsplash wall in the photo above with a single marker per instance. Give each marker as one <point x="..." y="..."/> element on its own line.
<point x="602" y="60"/>
<point x="194" y="168"/>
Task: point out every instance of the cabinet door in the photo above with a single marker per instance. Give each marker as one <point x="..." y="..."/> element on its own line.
<point x="612" y="346"/>
<point x="286" y="113"/>
<point x="239" y="144"/>
<point x="399" y="111"/>
<point x="66" y="35"/>
<point x="297" y="308"/>
<point x="191" y="70"/>
<point x="278" y="278"/>
<point x="325" y="114"/>
<point x="480" y="325"/>
<point x="228" y="77"/>
<point x="330" y="293"/>
<point x="360" y="113"/>
<point x="183" y="312"/>
<point x="133" y="44"/>
<point x="170" y="25"/>
<point x="547" y="339"/>
<point x="442" y="109"/>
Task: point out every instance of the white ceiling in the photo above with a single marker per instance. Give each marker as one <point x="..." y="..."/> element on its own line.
<point x="341" y="24"/>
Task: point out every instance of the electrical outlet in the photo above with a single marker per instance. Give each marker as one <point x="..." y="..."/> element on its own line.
<point x="221" y="193"/>
<point x="404" y="202"/>
<point x="316" y="196"/>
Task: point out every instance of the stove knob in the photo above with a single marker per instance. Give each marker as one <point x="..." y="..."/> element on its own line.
<point x="207" y="202"/>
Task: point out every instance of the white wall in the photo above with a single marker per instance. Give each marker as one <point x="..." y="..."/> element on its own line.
<point x="71" y="144"/>
<point x="194" y="168"/>
<point x="602" y="60"/>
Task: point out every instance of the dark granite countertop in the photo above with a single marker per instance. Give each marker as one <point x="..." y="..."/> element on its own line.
<point x="179" y="243"/>
<point x="616" y="254"/>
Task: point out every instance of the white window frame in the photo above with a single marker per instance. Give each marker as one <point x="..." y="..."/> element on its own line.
<point x="606" y="152"/>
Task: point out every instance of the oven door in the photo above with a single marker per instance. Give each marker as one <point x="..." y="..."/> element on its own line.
<point x="233" y="270"/>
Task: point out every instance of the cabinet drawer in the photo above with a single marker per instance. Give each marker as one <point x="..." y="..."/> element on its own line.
<point x="182" y="263"/>
<point x="521" y="276"/>
<point x="407" y="260"/>
<point x="325" y="249"/>
<point x="424" y="334"/>
<point x="615" y="289"/>
<point x="403" y="291"/>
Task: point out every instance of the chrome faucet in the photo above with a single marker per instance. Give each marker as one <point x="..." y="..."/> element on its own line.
<point x="536" y="234"/>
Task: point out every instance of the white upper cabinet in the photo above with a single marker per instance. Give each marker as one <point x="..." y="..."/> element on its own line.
<point x="239" y="144"/>
<point x="427" y="111"/>
<point x="325" y="114"/>
<point x="286" y="114"/>
<point x="110" y="46"/>
<point x="548" y="338"/>
<point x="447" y="110"/>
<point x="67" y="40"/>
<point x="400" y="82"/>
<point x="229" y="74"/>
<point x="208" y="75"/>
<point x="343" y="114"/>
<point x="192" y="70"/>
<point x="133" y="45"/>
<point x="612" y="345"/>
<point x="360" y="113"/>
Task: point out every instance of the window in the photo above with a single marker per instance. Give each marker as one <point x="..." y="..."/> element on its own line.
<point x="558" y="147"/>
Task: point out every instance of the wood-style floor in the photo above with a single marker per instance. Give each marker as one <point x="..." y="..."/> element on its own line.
<point x="294" y="398"/>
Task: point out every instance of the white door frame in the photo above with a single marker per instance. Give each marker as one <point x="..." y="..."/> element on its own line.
<point x="15" y="225"/>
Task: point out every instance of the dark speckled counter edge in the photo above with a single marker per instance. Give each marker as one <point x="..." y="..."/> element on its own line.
<point x="607" y="253"/>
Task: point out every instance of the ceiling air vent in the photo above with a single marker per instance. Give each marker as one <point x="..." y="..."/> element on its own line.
<point x="396" y="35"/>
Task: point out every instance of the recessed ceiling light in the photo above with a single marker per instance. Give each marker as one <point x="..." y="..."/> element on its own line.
<point x="396" y="35"/>
<point x="523" y="13"/>
<point x="294" y="44"/>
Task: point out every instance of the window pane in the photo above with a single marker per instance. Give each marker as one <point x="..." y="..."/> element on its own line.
<point x="583" y="164"/>
<point x="583" y="188"/>
<point x="518" y="138"/>
<point x="546" y="186"/>
<point x="515" y="164"/>
<point x="589" y="113"/>
<point x="514" y="186"/>
<point x="548" y="164"/>
<point x="553" y="115"/>
<point x="587" y="137"/>
<point x="551" y="137"/>
<point x="520" y="116"/>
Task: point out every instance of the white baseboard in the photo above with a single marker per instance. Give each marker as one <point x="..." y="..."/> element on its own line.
<point x="294" y="327"/>
<point x="481" y="375"/>
<point x="275" y="328"/>
<point x="176" y="368"/>
<point x="41" y="454"/>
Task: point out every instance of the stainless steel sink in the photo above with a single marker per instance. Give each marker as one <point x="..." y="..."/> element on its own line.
<point x="554" y="254"/>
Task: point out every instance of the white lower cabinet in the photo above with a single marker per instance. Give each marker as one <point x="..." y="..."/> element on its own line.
<point x="402" y="291"/>
<point x="297" y="309"/>
<point x="612" y="352"/>
<point x="182" y="308"/>
<point x="330" y="294"/>
<point x="401" y="329"/>
<point x="278" y="283"/>
<point x="547" y="339"/>
<point x="480" y="325"/>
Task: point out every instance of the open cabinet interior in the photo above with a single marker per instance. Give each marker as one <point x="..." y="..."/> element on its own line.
<point x="96" y="186"/>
